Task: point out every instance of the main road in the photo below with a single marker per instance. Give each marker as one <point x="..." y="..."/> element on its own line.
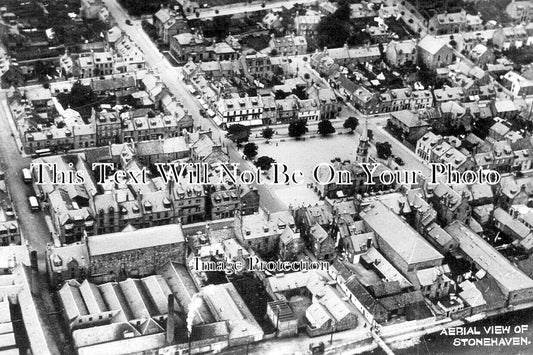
<point x="170" y="77"/>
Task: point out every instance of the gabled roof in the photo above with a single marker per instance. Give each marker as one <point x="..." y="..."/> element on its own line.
<point x="139" y="239"/>
<point x="401" y="237"/>
<point x="432" y="44"/>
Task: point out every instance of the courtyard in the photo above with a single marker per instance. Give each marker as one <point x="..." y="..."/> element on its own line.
<point x="304" y="155"/>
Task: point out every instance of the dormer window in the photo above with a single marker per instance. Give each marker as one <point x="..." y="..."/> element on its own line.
<point x="147" y="206"/>
<point x="135" y="209"/>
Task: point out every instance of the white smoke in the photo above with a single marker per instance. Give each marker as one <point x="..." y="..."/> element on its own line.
<point x="196" y="302"/>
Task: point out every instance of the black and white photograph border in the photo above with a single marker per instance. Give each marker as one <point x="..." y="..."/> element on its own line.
<point x="266" y="177"/>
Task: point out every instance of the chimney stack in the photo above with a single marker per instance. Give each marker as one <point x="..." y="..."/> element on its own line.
<point x="369" y="242"/>
<point x="170" y="320"/>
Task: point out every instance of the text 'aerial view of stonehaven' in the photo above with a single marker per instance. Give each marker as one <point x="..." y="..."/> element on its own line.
<point x="266" y="177"/>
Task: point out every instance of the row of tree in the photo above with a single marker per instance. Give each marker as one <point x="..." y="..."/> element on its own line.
<point x="239" y="133"/>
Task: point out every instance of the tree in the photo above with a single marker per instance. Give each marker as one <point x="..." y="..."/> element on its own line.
<point x="298" y="128"/>
<point x="307" y="76"/>
<point x="384" y="150"/>
<point x="250" y="150"/>
<point x="81" y="98"/>
<point x="325" y="128"/>
<point x="370" y="135"/>
<point x="334" y="30"/>
<point x="264" y="162"/>
<point x="238" y="133"/>
<point x="267" y="133"/>
<point x="351" y="123"/>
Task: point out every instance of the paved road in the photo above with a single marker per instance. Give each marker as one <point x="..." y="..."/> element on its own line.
<point x="34" y="228"/>
<point x="169" y="75"/>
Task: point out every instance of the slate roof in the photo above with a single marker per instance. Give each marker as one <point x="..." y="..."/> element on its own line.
<point x="139" y="239"/>
<point x="403" y="239"/>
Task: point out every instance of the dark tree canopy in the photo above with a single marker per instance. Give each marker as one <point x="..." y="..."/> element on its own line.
<point x="297" y="128"/>
<point x="384" y="150"/>
<point x="267" y="133"/>
<point x="264" y="162"/>
<point x="334" y="30"/>
<point x="238" y="133"/>
<point x="136" y="7"/>
<point x="250" y="150"/>
<point x="81" y="98"/>
<point x="325" y="127"/>
<point x="351" y="123"/>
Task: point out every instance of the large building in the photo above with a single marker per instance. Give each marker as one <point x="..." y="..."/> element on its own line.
<point x="403" y="53"/>
<point x="227" y="305"/>
<point x="117" y="256"/>
<point x="288" y="45"/>
<point x="243" y="110"/>
<point x="262" y="231"/>
<point x="400" y="243"/>
<point x="435" y="52"/>
<point x="513" y="283"/>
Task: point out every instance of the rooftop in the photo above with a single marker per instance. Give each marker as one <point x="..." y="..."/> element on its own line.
<point x="139" y="239"/>
<point x="403" y="239"/>
<point x="489" y="259"/>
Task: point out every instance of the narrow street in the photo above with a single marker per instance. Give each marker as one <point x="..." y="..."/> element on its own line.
<point x="33" y="226"/>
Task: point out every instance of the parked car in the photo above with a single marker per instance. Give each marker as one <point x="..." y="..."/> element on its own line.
<point x="399" y="161"/>
<point x="34" y="204"/>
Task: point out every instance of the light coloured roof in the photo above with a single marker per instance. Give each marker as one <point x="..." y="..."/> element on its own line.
<point x="137" y="299"/>
<point x="332" y="301"/>
<point x="92" y="297"/>
<point x="504" y="106"/>
<point x="386" y="268"/>
<point x="114" y="298"/>
<point x="317" y="315"/>
<point x="471" y="294"/>
<point x="291" y="281"/>
<point x="102" y="334"/>
<point x="14" y="254"/>
<point x="139" y="239"/>
<point x="427" y="277"/>
<point x="72" y="300"/>
<point x="158" y="291"/>
<point x="259" y="224"/>
<point x="183" y="287"/>
<point x="514" y="225"/>
<point x="401" y="237"/>
<point x="432" y="44"/>
<point x="226" y="304"/>
<point x="408" y="118"/>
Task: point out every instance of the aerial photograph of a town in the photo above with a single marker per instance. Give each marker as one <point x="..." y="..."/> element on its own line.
<point x="279" y="177"/>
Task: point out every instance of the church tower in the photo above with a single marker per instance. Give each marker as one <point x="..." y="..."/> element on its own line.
<point x="362" y="148"/>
